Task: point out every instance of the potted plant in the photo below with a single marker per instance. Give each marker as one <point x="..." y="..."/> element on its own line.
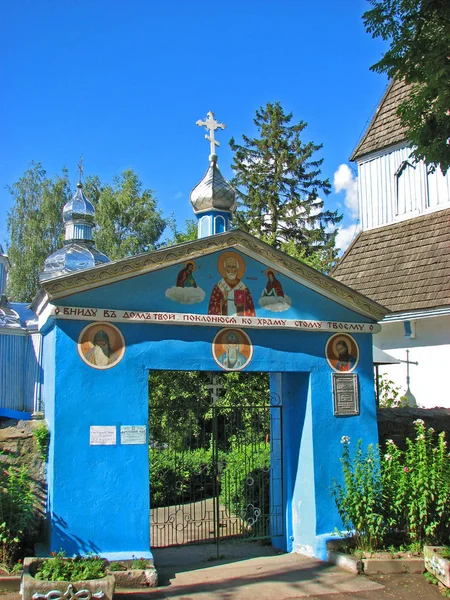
<point x="136" y="573"/>
<point x="68" y="576"/>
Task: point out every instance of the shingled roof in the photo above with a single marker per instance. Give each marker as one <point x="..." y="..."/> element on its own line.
<point x="404" y="266"/>
<point x="385" y="128"/>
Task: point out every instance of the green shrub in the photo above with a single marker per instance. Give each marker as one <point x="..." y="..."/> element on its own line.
<point x="401" y="497"/>
<point x="42" y="438"/>
<point x="81" y="568"/>
<point x="16" y="512"/>
<point x="360" y="499"/>
<point x="245" y="486"/>
<point x="179" y="477"/>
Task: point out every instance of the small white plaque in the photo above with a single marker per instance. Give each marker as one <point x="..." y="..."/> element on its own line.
<point x="133" y="434"/>
<point x="102" y="435"/>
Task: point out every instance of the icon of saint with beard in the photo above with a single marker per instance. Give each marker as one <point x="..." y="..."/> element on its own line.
<point x="101" y="354"/>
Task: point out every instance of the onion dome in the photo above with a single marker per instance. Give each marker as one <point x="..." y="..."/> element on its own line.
<point x="78" y="209"/>
<point x="213" y="192"/>
<point x="79" y="251"/>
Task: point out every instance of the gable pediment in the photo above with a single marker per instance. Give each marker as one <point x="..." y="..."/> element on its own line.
<point x="167" y="263"/>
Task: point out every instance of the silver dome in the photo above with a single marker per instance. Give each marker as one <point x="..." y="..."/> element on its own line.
<point x="78" y="251"/>
<point x="213" y="192"/>
<point x="73" y="257"/>
<point x="78" y="208"/>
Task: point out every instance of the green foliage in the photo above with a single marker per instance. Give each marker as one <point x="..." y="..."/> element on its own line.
<point x="116" y="566"/>
<point x="390" y="395"/>
<point x="35" y="227"/>
<point x="180" y="476"/>
<point x="403" y="495"/>
<point x="418" y="32"/>
<point x="127" y="217"/>
<point x="181" y="411"/>
<point x="42" y="438"/>
<point x="245" y="485"/>
<point x="431" y="578"/>
<point x="81" y="568"/>
<point x="180" y="237"/>
<point x="16" y="512"/>
<point x="278" y="185"/>
<point x="139" y="563"/>
<point x="360" y="499"/>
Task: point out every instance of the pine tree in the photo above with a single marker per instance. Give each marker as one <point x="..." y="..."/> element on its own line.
<point x="279" y="187"/>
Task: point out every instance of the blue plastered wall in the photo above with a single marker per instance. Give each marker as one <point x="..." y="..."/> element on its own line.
<point x="99" y="495"/>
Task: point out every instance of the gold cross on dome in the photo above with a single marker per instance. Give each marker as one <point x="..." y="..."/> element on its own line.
<point x="210" y="124"/>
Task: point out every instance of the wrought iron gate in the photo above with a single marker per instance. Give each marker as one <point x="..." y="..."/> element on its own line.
<point x="220" y="476"/>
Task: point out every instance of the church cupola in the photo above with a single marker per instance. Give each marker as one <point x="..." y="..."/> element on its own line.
<point x="78" y="251"/>
<point x="213" y="199"/>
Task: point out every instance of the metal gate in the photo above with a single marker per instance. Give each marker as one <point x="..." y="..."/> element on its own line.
<point x="219" y="476"/>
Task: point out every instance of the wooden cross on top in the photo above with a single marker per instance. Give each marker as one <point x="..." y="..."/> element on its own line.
<point x="210" y="124"/>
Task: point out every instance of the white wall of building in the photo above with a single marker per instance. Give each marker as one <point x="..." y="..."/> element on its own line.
<point x="430" y="379"/>
<point x="392" y="188"/>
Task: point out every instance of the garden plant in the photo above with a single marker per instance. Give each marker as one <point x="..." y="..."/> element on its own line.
<point x="81" y="568"/>
<point x="16" y="515"/>
<point x="398" y="497"/>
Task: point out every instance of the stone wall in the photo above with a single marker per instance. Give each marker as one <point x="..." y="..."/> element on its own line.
<point x="398" y="423"/>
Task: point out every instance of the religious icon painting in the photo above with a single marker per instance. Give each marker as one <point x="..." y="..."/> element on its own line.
<point x="101" y="345"/>
<point x="342" y="352"/>
<point x="230" y="296"/>
<point x="232" y="349"/>
<point x="186" y="290"/>
<point x="273" y="297"/>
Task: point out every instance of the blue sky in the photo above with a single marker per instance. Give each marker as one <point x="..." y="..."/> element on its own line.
<point x="123" y="84"/>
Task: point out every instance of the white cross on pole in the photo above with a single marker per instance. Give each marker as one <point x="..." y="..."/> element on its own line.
<point x="210" y="124"/>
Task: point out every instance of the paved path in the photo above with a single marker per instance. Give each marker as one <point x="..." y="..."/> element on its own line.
<point x="253" y="572"/>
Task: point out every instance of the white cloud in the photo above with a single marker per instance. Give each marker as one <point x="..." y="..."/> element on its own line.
<point x="187" y="295"/>
<point x="344" y="181"/>
<point x="345" y="235"/>
<point x="275" y="303"/>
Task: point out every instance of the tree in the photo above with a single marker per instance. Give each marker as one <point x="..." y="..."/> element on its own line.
<point x="189" y="234"/>
<point x="127" y="217"/>
<point x="278" y="184"/>
<point x="35" y="227"/>
<point x="181" y="409"/>
<point x="419" y="35"/>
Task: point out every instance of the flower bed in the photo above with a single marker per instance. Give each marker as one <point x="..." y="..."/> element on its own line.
<point x="382" y="561"/>
<point x="33" y="588"/>
<point x="135" y="573"/>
